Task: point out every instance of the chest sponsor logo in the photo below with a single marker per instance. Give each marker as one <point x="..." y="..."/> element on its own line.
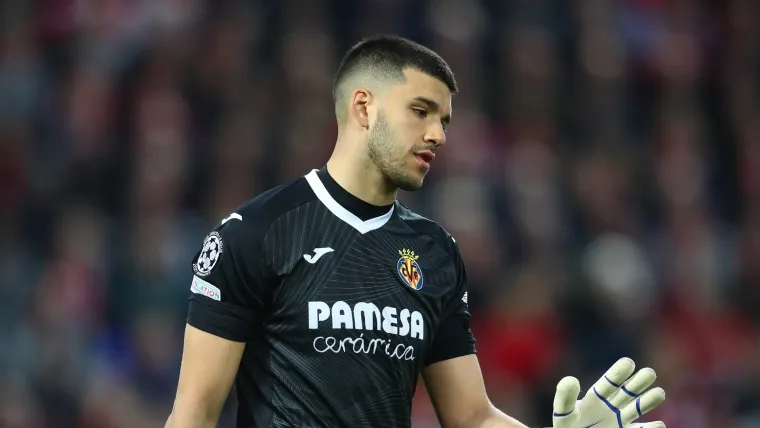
<point x="366" y="317"/>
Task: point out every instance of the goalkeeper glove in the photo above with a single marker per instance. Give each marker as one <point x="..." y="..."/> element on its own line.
<point x="616" y="400"/>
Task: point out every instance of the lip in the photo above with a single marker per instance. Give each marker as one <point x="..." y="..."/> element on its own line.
<point x="426" y="156"/>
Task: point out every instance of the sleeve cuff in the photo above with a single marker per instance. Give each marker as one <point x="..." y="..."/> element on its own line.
<point x="221" y="319"/>
<point x="454" y="339"/>
<point x="451" y="352"/>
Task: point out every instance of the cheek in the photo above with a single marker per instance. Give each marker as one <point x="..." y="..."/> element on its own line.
<point x="410" y="132"/>
<point x="405" y="142"/>
<point x="406" y="122"/>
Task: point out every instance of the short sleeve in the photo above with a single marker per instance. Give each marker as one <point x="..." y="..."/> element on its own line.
<point x="228" y="286"/>
<point x="454" y="337"/>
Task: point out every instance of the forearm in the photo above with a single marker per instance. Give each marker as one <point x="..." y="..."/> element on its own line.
<point x="198" y="418"/>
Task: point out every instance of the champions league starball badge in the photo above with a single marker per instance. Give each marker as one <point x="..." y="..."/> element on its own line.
<point x="209" y="255"/>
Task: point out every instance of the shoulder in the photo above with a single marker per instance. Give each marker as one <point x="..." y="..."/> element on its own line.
<point x="239" y="236"/>
<point x="279" y="200"/>
<point x="426" y="226"/>
<point x="275" y="202"/>
<point x="251" y="220"/>
<point x="442" y="238"/>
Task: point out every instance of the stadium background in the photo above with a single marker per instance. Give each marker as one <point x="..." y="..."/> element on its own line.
<point x="602" y="177"/>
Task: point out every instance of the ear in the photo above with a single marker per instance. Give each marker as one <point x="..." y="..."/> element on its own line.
<point x="360" y="99"/>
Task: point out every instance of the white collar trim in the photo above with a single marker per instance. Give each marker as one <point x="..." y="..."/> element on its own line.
<point x="363" y="226"/>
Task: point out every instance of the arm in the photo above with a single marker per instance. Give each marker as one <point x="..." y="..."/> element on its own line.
<point x="209" y="365"/>
<point x="455" y="383"/>
<point x="452" y="374"/>
<point x="459" y="396"/>
<point x="224" y="311"/>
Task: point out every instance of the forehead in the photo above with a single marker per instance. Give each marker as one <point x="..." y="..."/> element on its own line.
<point x="419" y="84"/>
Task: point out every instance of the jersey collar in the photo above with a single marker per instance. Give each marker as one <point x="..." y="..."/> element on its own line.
<point x="350" y="209"/>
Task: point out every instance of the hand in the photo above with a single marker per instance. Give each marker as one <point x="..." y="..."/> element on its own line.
<point x="615" y="401"/>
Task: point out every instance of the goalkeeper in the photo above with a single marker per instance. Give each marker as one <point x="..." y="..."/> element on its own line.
<point x="324" y="300"/>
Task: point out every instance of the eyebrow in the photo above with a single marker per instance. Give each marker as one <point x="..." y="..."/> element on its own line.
<point x="433" y="105"/>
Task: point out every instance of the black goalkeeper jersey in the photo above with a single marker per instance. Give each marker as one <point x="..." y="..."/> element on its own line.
<point x="340" y="304"/>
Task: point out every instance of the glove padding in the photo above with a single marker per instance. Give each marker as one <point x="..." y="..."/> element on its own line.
<point x="616" y="400"/>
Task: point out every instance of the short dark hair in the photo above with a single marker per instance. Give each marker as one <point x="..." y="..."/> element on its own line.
<point x="388" y="56"/>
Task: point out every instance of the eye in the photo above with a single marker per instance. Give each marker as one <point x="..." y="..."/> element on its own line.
<point x="421" y="112"/>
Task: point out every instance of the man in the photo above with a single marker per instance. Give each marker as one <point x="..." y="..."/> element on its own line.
<point x="323" y="300"/>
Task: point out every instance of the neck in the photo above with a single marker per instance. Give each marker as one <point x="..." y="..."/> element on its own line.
<point x="360" y="176"/>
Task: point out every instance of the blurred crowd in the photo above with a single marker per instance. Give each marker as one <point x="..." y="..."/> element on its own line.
<point x="602" y="178"/>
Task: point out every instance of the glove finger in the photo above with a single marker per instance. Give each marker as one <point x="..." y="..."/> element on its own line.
<point x="565" y="401"/>
<point x="614" y="378"/>
<point x="634" y="387"/>
<point x="642" y="405"/>
<point x="657" y="424"/>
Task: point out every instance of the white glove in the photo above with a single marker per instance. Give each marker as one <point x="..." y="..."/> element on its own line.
<point x="615" y="401"/>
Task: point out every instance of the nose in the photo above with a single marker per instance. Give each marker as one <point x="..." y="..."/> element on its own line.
<point x="435" y="135"/>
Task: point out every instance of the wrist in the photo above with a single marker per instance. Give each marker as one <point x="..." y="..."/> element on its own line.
<point x="495" y="418"/>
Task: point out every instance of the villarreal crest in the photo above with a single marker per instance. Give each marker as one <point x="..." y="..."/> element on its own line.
<point x="409" y="270"/>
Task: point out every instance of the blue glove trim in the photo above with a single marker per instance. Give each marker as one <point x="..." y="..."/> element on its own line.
<point x="611" y="382"/>
<point x="610" y="406"/>
<point x="629" y="392"/>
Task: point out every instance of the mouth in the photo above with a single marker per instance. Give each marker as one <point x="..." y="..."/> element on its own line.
<point x="425" y="158"/>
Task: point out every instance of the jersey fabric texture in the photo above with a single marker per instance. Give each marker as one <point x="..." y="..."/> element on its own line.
<point x="340" y="304"/>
